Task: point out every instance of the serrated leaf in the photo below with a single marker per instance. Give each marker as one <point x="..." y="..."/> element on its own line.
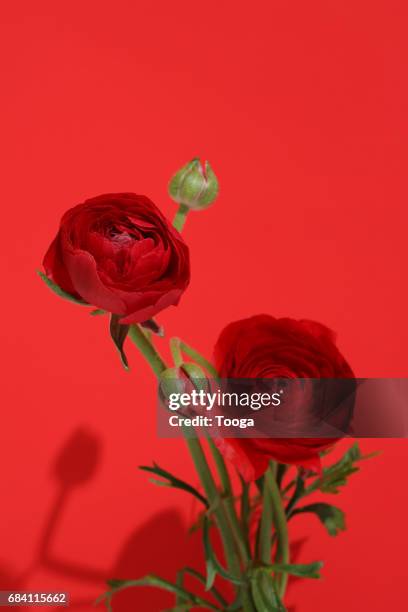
<point x="155" y="581"/>
<point x="118" y="334"/>
<point x="202" y="579"/>
<point x="302" y="570"/>
<point x="60" y="292"/>
<point x="336" y="475"/>
<point x="173" y="481"/>
<point x="330" y="516"/>
<point x="210" y="566"/>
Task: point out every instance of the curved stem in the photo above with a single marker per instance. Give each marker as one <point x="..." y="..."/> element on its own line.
<point x="147" y="349"/>
<point x="176" y="352"/>
<point x="156" y="581"/>
<point x="158" y="366"/>
<point x="198" y="358"/>
<point x="265" y="527"/>
<point x="228" y="501"/>
<point x="247" y="603"/>
<point x="213" y="497"/>
<point x="180" y="217"/>
<point x="281" y="527"/>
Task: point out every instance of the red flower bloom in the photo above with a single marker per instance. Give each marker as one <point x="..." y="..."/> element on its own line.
<point x="265" y="347"/>
<point x="119" y="253"/>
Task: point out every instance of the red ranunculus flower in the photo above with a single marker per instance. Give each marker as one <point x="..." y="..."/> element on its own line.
<point x="265" y="347"/>
<point x="119" y="253"/>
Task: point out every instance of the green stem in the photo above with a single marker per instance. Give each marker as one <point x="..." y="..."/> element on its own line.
<point x="221" y="516"/>
<point x="147" y="349"/>
<point x="176" y="352"/>
<point x="247" y="603"/>
<point x="265" y="528"/>
<point x="228" y="500"/>
<point x="245" y="511"/>
<point x="180" y="217"/>
<point x="198" y="358"/>
<point x="281" y="527"/>
<point x="158" y="366"/>
<point x="213" y="497"/>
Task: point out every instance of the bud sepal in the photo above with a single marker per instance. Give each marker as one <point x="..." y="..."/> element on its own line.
<point x="195" y="186"/>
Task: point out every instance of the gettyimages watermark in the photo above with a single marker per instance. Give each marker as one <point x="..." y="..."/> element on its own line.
<point x="206" y="400"/>
<point x="219" y="399"/>
<point x="283" y="408"/>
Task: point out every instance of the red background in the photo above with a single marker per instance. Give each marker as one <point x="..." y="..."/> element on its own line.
<point x="301" y="108"/>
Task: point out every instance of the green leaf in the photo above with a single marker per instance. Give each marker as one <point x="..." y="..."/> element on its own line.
<point x="192" y="572"/>
<point x="60" y="292"/>
<point x="97" y="311"/>
<point x="114" y="583"/>
<point x="210" y="564"/>
<point x="298" y="493"/>
<point x="302" y="570"/>
<point x="213" y="566"/>
<point x="173" y="481"/>
<point x="331" y="517"/>
<point x="119" y="333"/>
<point x="333" y="478"/>
<point x="336" y="475"/>
<point x="327" y="451"/>
<point x="198" y="523"/>
<point x="260" y="484"/>
<point x="280" y="473"/>
<point x="155" y="581"/>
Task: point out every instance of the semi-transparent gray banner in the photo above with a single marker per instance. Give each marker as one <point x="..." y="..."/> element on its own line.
<point x="284" y="408"/>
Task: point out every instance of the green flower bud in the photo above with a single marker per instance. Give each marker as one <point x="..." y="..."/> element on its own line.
<point x="196" y="375"/>
<point x="171" y="381"/>
<point x="194" y="186"/>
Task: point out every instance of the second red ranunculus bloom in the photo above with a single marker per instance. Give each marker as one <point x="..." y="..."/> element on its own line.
<point x="265" y="347"/>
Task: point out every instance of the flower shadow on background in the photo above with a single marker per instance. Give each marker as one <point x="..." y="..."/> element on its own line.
<point x="147" y="549"/>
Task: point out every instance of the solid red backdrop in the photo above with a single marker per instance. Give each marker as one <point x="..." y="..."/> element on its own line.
<point x="301" y="109"/>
